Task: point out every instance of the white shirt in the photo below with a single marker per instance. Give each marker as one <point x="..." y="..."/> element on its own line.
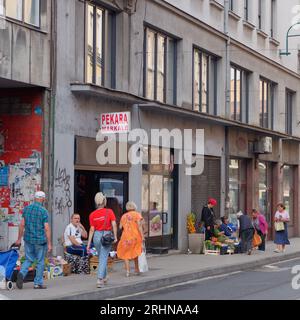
<point x="71" y="230"/>
<point x="284" y="214"/>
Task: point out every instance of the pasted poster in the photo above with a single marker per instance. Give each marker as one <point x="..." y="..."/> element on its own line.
<point x="155" y="221"/>
<point x="24" y="181"/>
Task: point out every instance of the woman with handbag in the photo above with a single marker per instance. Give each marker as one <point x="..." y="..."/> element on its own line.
<point x="102" y="222"/>
<point x="281" y="228"/>
<point x="261" y="226"/>
<point x="131" y="243"/>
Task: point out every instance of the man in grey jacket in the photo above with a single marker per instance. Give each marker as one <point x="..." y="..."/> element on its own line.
<point x="246" y="232"/>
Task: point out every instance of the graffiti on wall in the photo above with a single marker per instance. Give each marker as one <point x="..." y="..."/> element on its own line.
<point x="62" y="202"/>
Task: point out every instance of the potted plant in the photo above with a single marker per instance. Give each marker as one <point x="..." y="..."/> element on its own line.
<point x="195" y="239"/>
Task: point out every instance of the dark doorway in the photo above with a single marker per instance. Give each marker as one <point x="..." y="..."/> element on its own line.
<point x="113" y="184"/>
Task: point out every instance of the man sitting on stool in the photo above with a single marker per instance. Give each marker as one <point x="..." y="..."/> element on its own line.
<point x="72" y="237"/>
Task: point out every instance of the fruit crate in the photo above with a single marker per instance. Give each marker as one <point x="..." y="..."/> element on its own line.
<point x="215" y="252"/>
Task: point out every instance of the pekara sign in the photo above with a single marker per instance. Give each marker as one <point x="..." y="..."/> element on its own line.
<point x="117" y="122"/>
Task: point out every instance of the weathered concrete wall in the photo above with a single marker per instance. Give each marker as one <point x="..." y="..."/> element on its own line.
<point x="25" y="51"/>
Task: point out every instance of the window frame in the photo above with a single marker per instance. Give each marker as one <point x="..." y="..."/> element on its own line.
<point x="246" y="10"/>
<point x="167" y="38"/>
<point x="244" y="93"/>
<point x="211" y="72"/>
<point x="107" y="17"/>
<point x="259" y="13"/>
<point x="273" y="19"/>
<point x="289" y="103"/>
<point x="266" y="104"/>
<point x="236" y="69"/>
<point x="22" y="21"/>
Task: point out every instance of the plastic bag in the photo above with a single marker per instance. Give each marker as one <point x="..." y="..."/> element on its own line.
<point x="143" y="265"/>
<point x="256" y="240"/>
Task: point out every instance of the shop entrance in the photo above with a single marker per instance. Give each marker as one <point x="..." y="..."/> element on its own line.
<point x="265" y="193"/>
<point x="113" y="184"/>
<point x="159" y="205"/>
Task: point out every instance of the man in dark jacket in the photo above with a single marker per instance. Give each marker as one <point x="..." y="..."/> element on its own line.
<point x="246" y="232"/>
<point x="207" y="218"/>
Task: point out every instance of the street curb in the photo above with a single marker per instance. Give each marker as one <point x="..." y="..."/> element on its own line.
<point x="152" y="284"/>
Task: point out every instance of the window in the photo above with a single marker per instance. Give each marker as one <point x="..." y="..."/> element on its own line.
<point x="237" y="187"/>
<point x="273" y="19"/>
<point x="160" y="67"/>
<point x="27" y="11"/>
<point x="100" y="47"/>
<point x="267" y="89"/>
<point x="289" y="111"/>
<point x="235" y="94"/>
<point x="204" y="77"/>
<point x="239" y="93"/>
<point x="231" y="5"/>
<point x="260" y="14"/>
<point x="288" y="191"/>
<point x="246" y="10"/>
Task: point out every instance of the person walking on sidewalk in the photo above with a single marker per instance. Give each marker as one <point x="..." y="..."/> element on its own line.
<point x="261" y="226"/>
<point x="131" y="243"/>
<point x="208" y="219"/>
<point x="246" y="232"/>
<point x="36" y="230"/>
<point x="102" y="222"/>
<point x="281" y="236"/>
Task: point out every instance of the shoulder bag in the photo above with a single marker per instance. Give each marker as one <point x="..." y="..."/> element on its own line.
<point x="107" y="239"/>
<point x="279" y="226"/>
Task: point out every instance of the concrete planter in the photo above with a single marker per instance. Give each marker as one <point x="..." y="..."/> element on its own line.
<point x="196" y="242"/>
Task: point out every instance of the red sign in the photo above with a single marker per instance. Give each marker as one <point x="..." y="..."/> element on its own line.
<point x="117" y="122"/>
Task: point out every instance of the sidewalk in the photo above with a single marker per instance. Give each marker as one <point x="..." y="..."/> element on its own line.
<point x="164" y="270"/>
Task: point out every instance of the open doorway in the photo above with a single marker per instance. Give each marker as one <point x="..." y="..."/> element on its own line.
<point x="113" y="184"/>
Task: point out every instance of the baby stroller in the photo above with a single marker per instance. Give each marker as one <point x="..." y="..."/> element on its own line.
<point x="8" y="260"/>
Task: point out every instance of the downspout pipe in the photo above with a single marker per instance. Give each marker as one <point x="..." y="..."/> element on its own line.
<point x="52" y="111"/>
<point x="227" y="103"/>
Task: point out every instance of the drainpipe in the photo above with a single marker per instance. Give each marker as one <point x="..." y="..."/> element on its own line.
<point x="52" y="112"/>
<point x="227" y="102"/>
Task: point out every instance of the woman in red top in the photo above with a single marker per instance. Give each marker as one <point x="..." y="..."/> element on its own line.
<point x="102" y="221"/>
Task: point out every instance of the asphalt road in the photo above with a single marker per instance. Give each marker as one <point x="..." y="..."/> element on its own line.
<point x="270" y="282"/>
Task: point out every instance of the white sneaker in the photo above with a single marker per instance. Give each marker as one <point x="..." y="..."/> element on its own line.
<point x="100" y="283"/>
<point x="277" y="250"/>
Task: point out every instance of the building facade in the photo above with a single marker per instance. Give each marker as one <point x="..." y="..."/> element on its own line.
<point x="25" y="78"/>
<point x="211" y="65"/>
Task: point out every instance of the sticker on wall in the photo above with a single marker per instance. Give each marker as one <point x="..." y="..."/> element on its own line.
<point x="38" y="111"/>
<point x="4" y="176"/>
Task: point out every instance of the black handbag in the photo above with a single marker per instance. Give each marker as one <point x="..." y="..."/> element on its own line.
<point x="108" y="238"/>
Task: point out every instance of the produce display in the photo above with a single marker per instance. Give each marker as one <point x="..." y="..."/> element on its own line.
<point x="191" y="221"/>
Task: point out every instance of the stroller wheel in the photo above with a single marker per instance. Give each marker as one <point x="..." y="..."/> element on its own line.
<point x="9" y="285"/>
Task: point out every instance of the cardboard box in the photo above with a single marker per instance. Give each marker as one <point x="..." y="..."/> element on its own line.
<point x="67" y="269"/>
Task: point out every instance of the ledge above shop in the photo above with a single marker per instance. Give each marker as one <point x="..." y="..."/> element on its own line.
<point x="92" y="90"/>
<point x="144" y="104"/>
<point x="217" y="120"/>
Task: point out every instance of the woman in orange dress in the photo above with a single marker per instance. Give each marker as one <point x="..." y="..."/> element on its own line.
<point x="131" y="243"/>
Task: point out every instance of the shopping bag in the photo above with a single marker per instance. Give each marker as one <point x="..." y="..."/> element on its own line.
<point x="143" y="265"/>
<point x="256" y="239"/>
<point x="279" y="226"/>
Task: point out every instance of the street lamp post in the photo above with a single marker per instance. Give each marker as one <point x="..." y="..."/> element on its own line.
<point x="286" y="52"/>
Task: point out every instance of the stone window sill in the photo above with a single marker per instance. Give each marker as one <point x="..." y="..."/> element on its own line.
<point x="234" y="15"/>
<point x="262" y="33"/>
<point x="274" y="42"/>
<point x="216" y="4"/>
<point x="248" y="25"/>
